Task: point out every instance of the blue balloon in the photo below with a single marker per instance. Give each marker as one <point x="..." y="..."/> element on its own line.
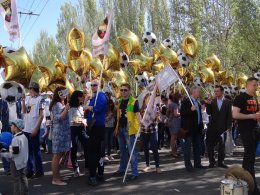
<point x="6" y="139"/>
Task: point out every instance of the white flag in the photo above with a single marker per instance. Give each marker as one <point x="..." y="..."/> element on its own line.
<point x="166" y="77"/>
<point x="9" y="14"/>
<point x="101" y="37"/>
<point x="151" y="109"/>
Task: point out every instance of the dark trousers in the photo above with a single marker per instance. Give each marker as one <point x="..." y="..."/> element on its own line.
<point x="250" y="141"/>
<point x="215" y="139"/>
<point x="195" y="142"/>
<point x="96" y="139"/>
<point x="20" y="181"/>
<point x="35" y="155"/>
<point x="203" y="144"/>
<point x="78" y="133"/>
<point x="109" y="139"/>
<point x="150" y="143"/>
<point x="161" y="130"/>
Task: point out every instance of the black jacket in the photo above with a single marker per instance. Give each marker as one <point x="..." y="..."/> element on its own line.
<point x="219" y="120"/>
<point x="189" y="118"/>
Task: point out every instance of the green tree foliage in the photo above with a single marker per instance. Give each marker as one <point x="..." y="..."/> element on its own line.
<point x="44" y="47"/>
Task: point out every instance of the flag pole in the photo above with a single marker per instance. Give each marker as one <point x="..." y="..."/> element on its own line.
<point x="100" y="80"/>
<point x="184" y="88"/>
<point x="131" y="154"/>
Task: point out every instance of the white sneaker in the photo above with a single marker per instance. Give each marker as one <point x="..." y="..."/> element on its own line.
<point x="106" y="159"/>
<point x="76" y="173"/>
<point x="110" y="158"/>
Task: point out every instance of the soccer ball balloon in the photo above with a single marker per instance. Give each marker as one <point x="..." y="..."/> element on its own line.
<point x="168" y="43"/>
<point x="227" y="91"/>
<point x="142" y="79"/>
<point x="257" y="75"/>
<point x="243" y="90"/>
<point x="8" y="50"/>
<point x="124" y="59"/>
<point x="198" y="82"/>
<point x="11" y="91"/>
<point x="184" y="60"/>
<point x="233" y="90"/>
<point x="151" y="79"/>
<point x="149" y="37"/>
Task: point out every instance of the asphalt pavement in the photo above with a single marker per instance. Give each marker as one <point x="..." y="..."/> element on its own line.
<point x="174" y="179"/>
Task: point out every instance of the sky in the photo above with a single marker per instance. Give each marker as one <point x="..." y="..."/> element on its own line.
<point x="30" y="26"/>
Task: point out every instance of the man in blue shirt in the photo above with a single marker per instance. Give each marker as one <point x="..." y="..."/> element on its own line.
<point x="96" y="115"/>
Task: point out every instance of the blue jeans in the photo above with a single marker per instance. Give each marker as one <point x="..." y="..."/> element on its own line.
<point x="126" y="143"/>
<point x="150" y="141"/>
<point x="195" y="141"/>
<point x="35" y="155"/>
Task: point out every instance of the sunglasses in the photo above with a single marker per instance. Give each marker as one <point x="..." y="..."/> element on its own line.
<point x="123" y="90"/>
<point x="93" y="85"/>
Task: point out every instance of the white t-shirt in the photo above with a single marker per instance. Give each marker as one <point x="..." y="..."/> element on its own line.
<point x="33" y="107"/>
<point x="47" y="106"/>
<point x="20" y="141"/>
<point x="75" y="112"/>
<point x="12" y="111"/>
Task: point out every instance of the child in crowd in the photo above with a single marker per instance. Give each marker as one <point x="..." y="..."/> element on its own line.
<point x="19" y="157"/>
<point x="205" y="119"/>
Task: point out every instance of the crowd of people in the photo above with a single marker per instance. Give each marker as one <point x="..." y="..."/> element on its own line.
<point x="93" y="121"/>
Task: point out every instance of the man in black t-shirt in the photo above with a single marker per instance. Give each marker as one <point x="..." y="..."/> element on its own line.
<point x="246" y="111"/>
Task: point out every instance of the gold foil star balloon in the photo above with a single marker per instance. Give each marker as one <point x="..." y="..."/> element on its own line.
<point x="119" y="77"/>
<point x="115" y="88"/>
<point x="213" y="62"/>
<point x="189" y="77"/>
<point x="86" y="58"/>
<point x="69" y="85"/>
<point x="182" y="71"/>
<point x="96" y="67"/>
<point x="189" y="45"/>
<point x="76" y="39"/>
<point x="2" y="64"/>
<point x="74" y="79"/>
<point x="39" y="77"/>
<point x="107" y="75"/>
<point x="207" y="75"/>
<point x="18" y="67"/>
<point x="157" y="52"/>
<point x="129" y="42"/>
<point x="112" y="60"/>
<point x="165" y="54"/>
<point x="158" y="67"/>
<point x="53" y="71"/>
<point x="241" y="80"/>
<point x="169" y="56"/>
<point x="143" y="62"/>
<point x="225" y="77"/>
<point x="79" y="62"/>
